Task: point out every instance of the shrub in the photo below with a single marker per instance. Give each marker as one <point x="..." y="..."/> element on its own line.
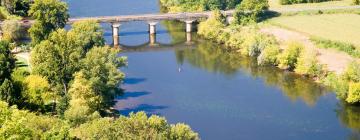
<point x="288" y="58"/>
<point x="285" y="2"/>
<point x="269" y="55"/>
<point x="11" y="30"/>
<point x="335" y="82"/>
<point x="352" y="72"/>
<point x="354" y="93"/>
<point x="212" y="27"/>
<point x="356" y="2"/>
<point x="249" y="11"/>
<point x="307" y="63"/>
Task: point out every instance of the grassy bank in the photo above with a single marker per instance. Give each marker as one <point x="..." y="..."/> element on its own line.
<point x="336" y="27"/>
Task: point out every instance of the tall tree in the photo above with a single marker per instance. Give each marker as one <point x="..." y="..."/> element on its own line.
<point x="7" y="61"/>
<point x="50" y="15"/>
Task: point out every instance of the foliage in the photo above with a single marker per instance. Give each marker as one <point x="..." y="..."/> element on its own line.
<point x="249" y="11"/>
<point x="50" y="15"/>
<point x="89" y="32"/>
<point x="84" y="101"/>
<point x="307" y="63"/>
<point x="287" y="2"/>
<point x="288" y="58"/>
<point x="344" y="47"/>
<point x="352" y="72"/>
<point x="211" y="28"/>
<point x="136" y="126"/>
<point x="58" y="62"/>
<point x="100" y="67"/>
<point x="5" y="15"/>
<point x="36" y="90"/>
<point x="356" y="2"/>
<point x="354" y="93"/>
<point x="17" y="7"/>
<point x="7" y="61"/>
<point x="11" y="30"/>
<point x="198" y="5"/>
<point x="269" y="55"/>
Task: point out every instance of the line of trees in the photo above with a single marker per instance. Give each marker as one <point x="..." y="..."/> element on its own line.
<point x="71" y="88"/>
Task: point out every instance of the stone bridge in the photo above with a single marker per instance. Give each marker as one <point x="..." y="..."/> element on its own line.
<point x="152" y="20"/>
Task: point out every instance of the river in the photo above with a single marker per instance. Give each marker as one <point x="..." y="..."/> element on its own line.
<point x="219" y="94"/>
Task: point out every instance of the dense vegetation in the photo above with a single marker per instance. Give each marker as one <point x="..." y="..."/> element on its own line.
<point x="198" y="5"/>
<point x="285" y="2"/>
<point x="71" y="87"/>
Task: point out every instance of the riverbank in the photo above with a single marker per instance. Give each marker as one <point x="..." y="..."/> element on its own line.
<point x="288" y="50"/>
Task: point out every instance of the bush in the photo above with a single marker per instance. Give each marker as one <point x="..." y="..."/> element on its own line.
<point x="286" y="2"/>
<point x="338" y="84"/>
<point x="249" y="11"/>
<point x="354" y="93"/>
<point x="352" y="72"/>
<point x="136" y="126"/>
<point x="269" y="55"/>
<point x="356" y="2"/>
<point x="212" y="27"/>
<point x="11" y="30"/>
<point x="288" y="59"/>
<point x="307" y="64"/>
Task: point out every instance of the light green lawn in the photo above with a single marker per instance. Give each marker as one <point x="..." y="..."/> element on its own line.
<point x="22" y="63"/>
<point x="275" y="4"/>
<point x="337" y="27"/>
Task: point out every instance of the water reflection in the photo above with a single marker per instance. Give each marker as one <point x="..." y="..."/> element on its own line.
<point x="218" y="60"/>
<point x="349" y="116"/>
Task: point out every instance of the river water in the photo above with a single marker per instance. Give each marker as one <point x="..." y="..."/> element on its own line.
<point x="219" y="94"/>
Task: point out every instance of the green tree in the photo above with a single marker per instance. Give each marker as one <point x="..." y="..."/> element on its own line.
<point x="7" y="61"/>
<point x="136" y="126"/>
<point x="11" y="30"/>
<point x="50" y="15"/>
<point x="83" y="103"/>
<point x="100" y="67"/>
<point x="249" y="11"/>
<point x="89" y="33"/>
<point x="17" y="7"/>
<point x="288" y="59"/>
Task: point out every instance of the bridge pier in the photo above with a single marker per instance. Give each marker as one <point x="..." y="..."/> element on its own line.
<point x="152" y="39"/>
<point x="188" y="38"/>
<point x="115" y="30"/>
<point x="152" y="27"/>
<point x="189" y="25"/>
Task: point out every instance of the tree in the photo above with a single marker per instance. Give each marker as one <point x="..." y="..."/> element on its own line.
<point x="36" y="90"/>
<point x="11" y="30"/>
<point x="89" y="33"/>
<point x="249" y="11"/>
<point x="17" y="7"/>
<point x="7" y="61"/>
<point x="50" y="15"/>
<point x="136" y="126"/>
<point x="83" y="103"/>
<point x="100" y="67"/>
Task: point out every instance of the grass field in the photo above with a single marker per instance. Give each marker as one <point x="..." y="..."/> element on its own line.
<point x="337" y="27"/>
<point x="22" y="63"/>
<point x="275" y="4"/>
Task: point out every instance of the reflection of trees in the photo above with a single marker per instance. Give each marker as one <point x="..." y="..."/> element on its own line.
<point x="176" y="30"/>
<point x="210" y="58"/>
<point x="217" y="60"/>
<point x="349" y="116"/>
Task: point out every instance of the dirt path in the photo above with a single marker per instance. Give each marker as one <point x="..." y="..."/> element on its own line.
<point x="334" y="60"/>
